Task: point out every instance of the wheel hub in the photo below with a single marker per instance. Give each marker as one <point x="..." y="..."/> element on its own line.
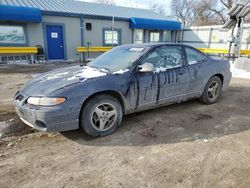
<point x="104" y="116"/>
<point x="213" y="90"/>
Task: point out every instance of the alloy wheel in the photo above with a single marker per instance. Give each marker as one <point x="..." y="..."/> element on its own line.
<point x="104" y="117"/>
<point x="213" y="90"/>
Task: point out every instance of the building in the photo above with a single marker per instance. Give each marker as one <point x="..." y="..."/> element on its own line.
<point x="213" y="37"/>
<point x="60" y="26"/>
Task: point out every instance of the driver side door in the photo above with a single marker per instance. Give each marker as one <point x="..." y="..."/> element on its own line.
<point x="145" y="83"/>
<point x="167" y="82"/>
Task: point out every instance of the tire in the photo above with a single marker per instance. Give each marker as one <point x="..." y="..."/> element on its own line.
<point x="211" y="94"/>
<point x="101" y="116"/>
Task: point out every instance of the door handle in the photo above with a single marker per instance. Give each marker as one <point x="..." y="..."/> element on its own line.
<point x="61" y="46"/>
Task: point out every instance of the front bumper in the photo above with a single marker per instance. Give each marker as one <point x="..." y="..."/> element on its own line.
<point x="52" y="119"/>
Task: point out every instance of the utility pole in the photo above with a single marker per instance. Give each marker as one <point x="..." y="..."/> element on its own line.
<point x="237" y="14"/>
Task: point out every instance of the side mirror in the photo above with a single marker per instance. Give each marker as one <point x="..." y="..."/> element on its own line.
<point x="146" y="67"/>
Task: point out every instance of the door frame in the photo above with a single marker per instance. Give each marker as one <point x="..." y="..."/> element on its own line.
<point x="46" y="42"/>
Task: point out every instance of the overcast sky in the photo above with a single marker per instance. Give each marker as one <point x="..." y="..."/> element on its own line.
<point x="141" y="3"/>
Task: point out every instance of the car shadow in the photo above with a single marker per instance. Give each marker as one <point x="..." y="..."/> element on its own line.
<point x="185" y="122"/>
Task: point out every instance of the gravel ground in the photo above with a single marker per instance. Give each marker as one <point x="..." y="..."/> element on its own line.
<point x="182" y="145"/>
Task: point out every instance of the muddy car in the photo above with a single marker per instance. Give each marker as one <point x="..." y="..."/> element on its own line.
<point x="127" y="79"/>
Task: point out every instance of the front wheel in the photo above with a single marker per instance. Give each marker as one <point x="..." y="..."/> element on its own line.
<point x="212" y="91"/>
<point x="101" y="115"/>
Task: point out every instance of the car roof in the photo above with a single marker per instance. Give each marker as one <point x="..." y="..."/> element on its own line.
<point x="151" y="45"/>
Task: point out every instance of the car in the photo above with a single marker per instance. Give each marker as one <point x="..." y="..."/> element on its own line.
<point x="124" y="80"/>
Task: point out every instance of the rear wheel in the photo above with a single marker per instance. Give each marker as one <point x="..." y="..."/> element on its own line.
<point x="212" y="91"/>
<point x="101" y="115"/>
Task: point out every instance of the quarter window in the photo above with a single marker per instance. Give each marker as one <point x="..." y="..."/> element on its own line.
<point x="12" y="34"/>
<point x="138" y="36"/>
<point x="112" y="37"/>
<point x="154" y="36"/>
<point x="165" y="57"/>
<point x="194" y="57"/>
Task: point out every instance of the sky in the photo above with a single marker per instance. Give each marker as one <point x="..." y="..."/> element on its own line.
<point x="145" y="4"/>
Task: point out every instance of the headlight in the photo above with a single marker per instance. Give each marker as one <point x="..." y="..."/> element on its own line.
<point x="45" y="101"/>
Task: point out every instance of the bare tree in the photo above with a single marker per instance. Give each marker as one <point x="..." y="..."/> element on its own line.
<point x="158" y="9"/>
<point x="210" y="12"/>
<point x="213" y="11"/>
<point x="107" y="2"/>
<point x="184" y="10"/>
<point x="201" y="12"/>
<point x="227" y="3"/>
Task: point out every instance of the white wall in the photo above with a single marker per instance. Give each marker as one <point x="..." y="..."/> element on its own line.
<point x="211" y="37"/>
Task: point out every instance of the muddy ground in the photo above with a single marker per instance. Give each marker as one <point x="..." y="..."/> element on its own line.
<point x="182" y="145"/>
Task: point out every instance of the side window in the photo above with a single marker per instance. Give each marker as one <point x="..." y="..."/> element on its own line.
<point x="165" y="57"/>
<point x="194" y="57"/>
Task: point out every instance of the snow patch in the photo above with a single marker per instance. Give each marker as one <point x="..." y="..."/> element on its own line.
<point x="35" y="75"/>
<point x="121" y="71"/>
<point x="160" y="69"/>
<point x="55" y="76"/>
<point x="87" y="72"/>
<point x="163" y="69"/>
<point x="240" y="73"/>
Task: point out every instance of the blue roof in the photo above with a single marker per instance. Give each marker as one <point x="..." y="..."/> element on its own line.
<point x="22" y="14"/>
<point x="143" y="23"/>
<point x="74" y="7"/>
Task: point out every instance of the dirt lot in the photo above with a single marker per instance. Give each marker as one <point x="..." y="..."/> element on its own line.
<point x="183" y="145"/>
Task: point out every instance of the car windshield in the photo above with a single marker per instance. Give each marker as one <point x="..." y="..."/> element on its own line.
<point x="119" y="58"/>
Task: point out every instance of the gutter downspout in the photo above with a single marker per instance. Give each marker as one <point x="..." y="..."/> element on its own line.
<point x="181" y="33"/>
<point x="113" y="25"/>
<point x="82" y="37"/>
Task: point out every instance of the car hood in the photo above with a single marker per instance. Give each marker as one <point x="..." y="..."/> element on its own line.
<point x="52" y="81"/>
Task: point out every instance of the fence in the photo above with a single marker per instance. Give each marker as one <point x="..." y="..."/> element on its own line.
<point x="211" y="37"/>
<point x="13" y="54"/>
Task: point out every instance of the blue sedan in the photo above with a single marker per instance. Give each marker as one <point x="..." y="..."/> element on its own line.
<point x="127" y="79"/>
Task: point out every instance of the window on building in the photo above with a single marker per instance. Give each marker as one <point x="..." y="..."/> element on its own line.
<point x="112" y="37"/>
<point x="154" y="36"/>
<point x="166" y="37"/>
<point x="12" y="34"/>
<point x="138" y="36"/>
<point x="89" y="26"/>
<point x="194" y="57"/>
